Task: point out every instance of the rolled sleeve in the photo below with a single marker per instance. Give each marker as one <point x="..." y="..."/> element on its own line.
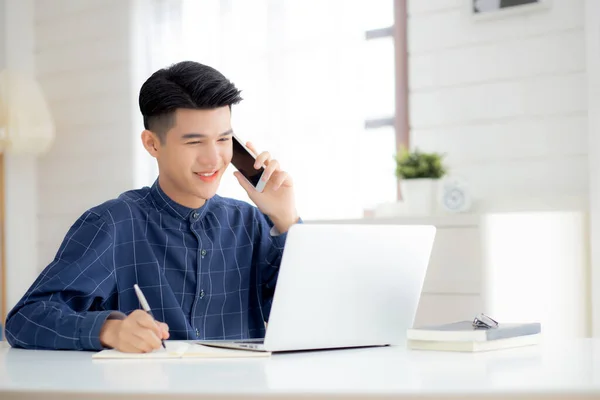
<point x="91" y="325"/>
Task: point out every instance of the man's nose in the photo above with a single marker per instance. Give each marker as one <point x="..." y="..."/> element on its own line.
<point x="210" y="156"/>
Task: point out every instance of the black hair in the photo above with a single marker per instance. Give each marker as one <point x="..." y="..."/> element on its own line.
<point x="187" y="84"/>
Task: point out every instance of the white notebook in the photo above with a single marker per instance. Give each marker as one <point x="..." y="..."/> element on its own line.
<point x="177" y="349"/>
<point x="474" y="346"/>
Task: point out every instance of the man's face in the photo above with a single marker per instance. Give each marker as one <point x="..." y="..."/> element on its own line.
<point x="194" y="155"/>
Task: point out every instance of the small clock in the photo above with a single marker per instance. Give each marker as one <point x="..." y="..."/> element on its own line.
<point x="454" y="195"/>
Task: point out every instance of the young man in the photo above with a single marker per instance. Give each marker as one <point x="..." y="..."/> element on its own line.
<point x="207" y="265"/>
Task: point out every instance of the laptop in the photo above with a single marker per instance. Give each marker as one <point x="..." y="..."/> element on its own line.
<point x="344" y="286"/>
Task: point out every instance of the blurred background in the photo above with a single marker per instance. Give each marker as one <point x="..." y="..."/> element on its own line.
<point x="506" y="92"/>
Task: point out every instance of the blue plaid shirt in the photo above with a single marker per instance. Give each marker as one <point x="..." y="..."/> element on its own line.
<point x="209" y="273"/>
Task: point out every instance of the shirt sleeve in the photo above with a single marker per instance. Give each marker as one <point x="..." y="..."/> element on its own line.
<point x="64" y="307"/>
<point x="270" y="251"/>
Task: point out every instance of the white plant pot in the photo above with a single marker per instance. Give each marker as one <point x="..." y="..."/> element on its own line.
<point x="420" y="195"/>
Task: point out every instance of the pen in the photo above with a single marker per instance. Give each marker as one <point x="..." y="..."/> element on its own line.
<point x="145" y="306"/>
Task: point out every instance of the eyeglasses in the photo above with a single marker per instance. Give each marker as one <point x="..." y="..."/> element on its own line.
<point x="483" y="321"/>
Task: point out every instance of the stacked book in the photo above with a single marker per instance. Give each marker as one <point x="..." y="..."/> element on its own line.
<point x="464" y="336"/>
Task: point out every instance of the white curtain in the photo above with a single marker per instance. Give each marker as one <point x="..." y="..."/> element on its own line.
<point x="157" y="42"/>
<point x="309" y="80"/>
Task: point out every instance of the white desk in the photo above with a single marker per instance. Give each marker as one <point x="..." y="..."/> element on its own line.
<point x="561" y="370"/>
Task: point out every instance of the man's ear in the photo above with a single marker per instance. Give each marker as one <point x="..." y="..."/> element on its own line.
<point x="151" y="142"/>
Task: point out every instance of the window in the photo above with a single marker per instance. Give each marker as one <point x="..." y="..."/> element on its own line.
<point x="317" y="79"/>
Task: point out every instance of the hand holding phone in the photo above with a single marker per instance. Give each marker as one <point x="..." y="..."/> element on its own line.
<point x="243" y="160"/>
<point x="278" y="203"/>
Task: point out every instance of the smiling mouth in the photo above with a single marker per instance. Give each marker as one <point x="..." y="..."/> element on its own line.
<point x="207" y="176"/>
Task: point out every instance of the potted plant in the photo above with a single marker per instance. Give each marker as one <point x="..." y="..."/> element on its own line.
<point x="419" y="173"/>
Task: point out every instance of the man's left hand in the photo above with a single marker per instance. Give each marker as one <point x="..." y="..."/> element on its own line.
<point x="277" y="198"/>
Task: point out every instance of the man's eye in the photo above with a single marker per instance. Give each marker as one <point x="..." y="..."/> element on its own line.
<point x="224" y="140"/>
<point x="196" y="142"/>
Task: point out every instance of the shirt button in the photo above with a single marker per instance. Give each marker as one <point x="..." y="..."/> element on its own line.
<point x="197" y="333"/>
<point x="202" y="294"/>
<point x="195" y="215"/>
<point x="203" y="252"/>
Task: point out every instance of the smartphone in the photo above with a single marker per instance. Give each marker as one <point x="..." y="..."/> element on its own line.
<point x="243" y="160"/>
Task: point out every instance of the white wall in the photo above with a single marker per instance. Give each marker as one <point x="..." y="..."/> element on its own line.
<point x="592" y="21"/>
<point x="517" y="82"/>
<point x="16" y="30"/>
<point x="83" y="58"/>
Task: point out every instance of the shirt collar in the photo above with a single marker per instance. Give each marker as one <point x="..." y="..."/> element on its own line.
<point x="177" y="210"/>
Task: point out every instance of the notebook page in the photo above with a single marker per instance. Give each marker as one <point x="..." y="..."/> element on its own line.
<point x="173" y="350"/>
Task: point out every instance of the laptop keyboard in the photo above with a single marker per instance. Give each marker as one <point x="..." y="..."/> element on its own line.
<point x="255" y="341"/>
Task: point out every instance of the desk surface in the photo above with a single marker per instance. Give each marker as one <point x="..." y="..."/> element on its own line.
<point x="569" y="368"/>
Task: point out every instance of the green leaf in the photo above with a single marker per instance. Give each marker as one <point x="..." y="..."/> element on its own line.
<point x="417" y="164"/>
